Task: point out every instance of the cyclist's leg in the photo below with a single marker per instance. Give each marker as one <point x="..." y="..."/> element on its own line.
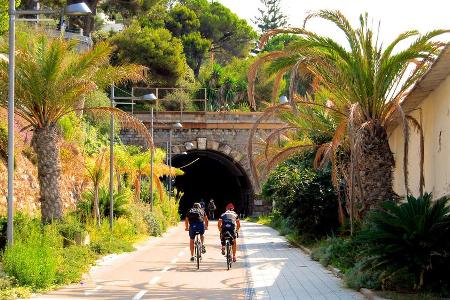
<point x="234" y="246"/>
<point x="222" y="241"/>
<point x="201" y="229"/>
<point x="192" y="229"/>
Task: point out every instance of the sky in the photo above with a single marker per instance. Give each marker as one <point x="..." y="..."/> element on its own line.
<point x="396" y="16"/>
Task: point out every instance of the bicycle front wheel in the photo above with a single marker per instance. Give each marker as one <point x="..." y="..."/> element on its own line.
<point x="198" y="250"/>
<point x="228" y="255"/>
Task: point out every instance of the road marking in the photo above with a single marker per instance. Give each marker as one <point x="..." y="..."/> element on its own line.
<point x="173" y="261"/>
<point x="92" y="291"/>
<point x="139" y="295"/>
<point x="181" y="253"/>
<point x="167" y="268"/>
<point x="154" y="280"/>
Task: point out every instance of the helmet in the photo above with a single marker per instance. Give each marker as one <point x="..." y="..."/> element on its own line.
<point x="197" y="205"/>
<point x="230" y="206"/>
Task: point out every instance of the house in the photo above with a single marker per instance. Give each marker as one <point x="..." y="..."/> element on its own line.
<point x="429" y="103"/>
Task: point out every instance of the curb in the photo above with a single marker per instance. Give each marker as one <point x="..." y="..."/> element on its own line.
<point x="367" y="293"/>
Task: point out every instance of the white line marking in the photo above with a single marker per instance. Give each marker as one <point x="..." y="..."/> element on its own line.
<point x="181" y="253"/>
<point x="167" y="268"/>
<point x="173" y="261"/>
<point x="91" y="291"/>
<point x="154" y="280"/>
<point x="139" y="295"/>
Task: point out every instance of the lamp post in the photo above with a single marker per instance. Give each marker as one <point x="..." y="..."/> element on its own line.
<point x="71" y="10"/>
<point x="151" y="97"/>
<point x="284" y="100"/>
<point x="111" y="145"/>
<point x="177" y="125"/>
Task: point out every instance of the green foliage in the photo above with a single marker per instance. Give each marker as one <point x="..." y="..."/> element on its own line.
<point x="270" y="16"/>
<point x="279" y="42"/>
<point x="120" y="208"/>
<point x="304" y="196"/>
<point x="76" y="261"/>
<point x="3" y="142"/>
<point x="156" y="49"/>
<point x="410" y="236"/>
<point x="339" y="252"/>
<point x="34" y="259"/>
<point x="120" y="239"/>
<point x="4" y="16"/>
<point x="182" y="21"/>
<point x="177" y="99"/>
<point x="360" y="277"/>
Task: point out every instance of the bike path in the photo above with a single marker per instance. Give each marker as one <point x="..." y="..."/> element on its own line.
<point x="161" y="269"/>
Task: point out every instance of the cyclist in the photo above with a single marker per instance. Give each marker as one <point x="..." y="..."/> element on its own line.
<point x="211" y="208"/>
<point x="196" y="221"/>
<point x="229" y="222"/>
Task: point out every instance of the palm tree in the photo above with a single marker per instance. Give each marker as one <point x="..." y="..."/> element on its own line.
<point x="365" y="84"/>
<point x="51" y="78"/>
<point x="95" y="170"/>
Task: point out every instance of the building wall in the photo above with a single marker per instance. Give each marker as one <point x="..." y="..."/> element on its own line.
<point x="434" y="115"/>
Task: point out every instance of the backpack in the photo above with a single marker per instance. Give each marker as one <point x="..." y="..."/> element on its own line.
<point x="195" y="215"/>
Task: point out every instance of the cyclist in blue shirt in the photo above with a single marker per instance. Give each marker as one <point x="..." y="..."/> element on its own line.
<point x="196" y="221"/>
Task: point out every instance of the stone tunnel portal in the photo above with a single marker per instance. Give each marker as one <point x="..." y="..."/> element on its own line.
<point x="212" y="175"/>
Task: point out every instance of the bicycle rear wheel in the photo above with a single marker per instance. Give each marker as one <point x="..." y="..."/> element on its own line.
<point x="198" y="247"/>
<point x="228" y="254"/>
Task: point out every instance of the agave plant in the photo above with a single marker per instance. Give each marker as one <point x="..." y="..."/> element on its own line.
<point x="411" y="235"/>
<point x="364" y="84"/>
<point x="51" y="79"/>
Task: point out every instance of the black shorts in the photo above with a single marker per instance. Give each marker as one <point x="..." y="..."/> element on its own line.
<point x="225" y="233"/>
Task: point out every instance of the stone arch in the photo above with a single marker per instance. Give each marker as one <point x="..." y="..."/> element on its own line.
<point x="229" y="157"/>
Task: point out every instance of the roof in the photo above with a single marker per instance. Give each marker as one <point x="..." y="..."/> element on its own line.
<point x="435" y="75"/>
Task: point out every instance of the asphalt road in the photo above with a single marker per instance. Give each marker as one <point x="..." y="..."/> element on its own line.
<point x="161" y="269"/>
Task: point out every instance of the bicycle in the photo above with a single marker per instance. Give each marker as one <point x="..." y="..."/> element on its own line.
<point x="228" y="249"/>
<point x="197" y="248"/>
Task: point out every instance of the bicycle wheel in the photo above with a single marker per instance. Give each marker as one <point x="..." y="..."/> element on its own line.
<point x="198" y="250"/>
<point x="227" y="243"/>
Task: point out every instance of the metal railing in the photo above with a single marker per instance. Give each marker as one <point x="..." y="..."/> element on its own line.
<point x="174" y="100"/>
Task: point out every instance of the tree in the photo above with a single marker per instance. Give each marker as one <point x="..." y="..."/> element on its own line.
<point x="270" y="17"/>
<point x="51" y="78"/>
<point x="96" y="167"/>
<point x="4" y="16"/>
<point x="195" y="49"/>
<point x="364" y="84"/>
<point x="156" y="49"/>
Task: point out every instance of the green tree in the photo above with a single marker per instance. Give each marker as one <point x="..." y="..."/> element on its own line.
<point x="270" y="16"/>
<point x="156" y="49"/>
<point x="364" y="84"/>
<point x="182" y="21"/>
<point x="195" y="49"/>
<point x="51" y="78"/>
<point x="4" y="16"/>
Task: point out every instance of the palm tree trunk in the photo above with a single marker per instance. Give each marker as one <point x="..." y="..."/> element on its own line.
<point x="374" y="167"/>
<point x="119" y="182"/>
<point x="45" y="143"/>
<point x="96" y="205"/>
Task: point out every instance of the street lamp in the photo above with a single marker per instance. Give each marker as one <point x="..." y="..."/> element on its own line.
<point x="151" y="97"/>
<point x="71" y="10"/>
<point x="111" y="147"/>
<point x="177" y="125"/>
<point x="284" y="100"/>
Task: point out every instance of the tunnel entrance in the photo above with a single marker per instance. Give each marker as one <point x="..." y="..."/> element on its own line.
<point x="212" y="175"/>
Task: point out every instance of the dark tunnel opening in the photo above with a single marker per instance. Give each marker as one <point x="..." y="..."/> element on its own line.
<point x="212" y="175"/>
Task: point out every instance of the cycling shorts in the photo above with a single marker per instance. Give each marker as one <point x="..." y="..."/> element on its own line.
<point x="196" y="227"/>
<point x="225" y="233"/>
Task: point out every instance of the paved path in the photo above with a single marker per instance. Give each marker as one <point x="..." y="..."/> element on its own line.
<point x="279" y="271"/>
<point x="267" y="268"/>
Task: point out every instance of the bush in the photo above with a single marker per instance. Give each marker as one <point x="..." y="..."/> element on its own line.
<point x="33" y="259"/>
<point x="177" y="99"/>
<point x="76" y="261"/>
<point x="411" y="236"/>
<point x="304" y="196"/>
<point x="358" y="277"/>
<point x="120" y="239"/>
<point x="339" y="252"/>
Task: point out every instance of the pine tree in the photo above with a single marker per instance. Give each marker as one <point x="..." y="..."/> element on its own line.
<point x="270" y="16"/>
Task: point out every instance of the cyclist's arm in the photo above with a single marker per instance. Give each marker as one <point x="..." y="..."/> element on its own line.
<point x="186" y="224"/>
<point x="206" y="222"/>
<point x="219" y="224"/>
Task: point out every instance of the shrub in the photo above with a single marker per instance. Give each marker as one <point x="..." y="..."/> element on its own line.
<point x="304" y="196"/>
<point x="120" y="239"/>
<point x="339" y="252"/>
<point x="358" y="277"/>
<point x="71" y="230"/>
<point x="177" y="99"/>
<point x="411" y="236"/>
<point x="76" y="261"/>
<point x="33" y="259"/>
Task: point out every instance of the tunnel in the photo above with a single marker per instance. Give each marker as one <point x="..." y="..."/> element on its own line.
<point x="212" y="175"/>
